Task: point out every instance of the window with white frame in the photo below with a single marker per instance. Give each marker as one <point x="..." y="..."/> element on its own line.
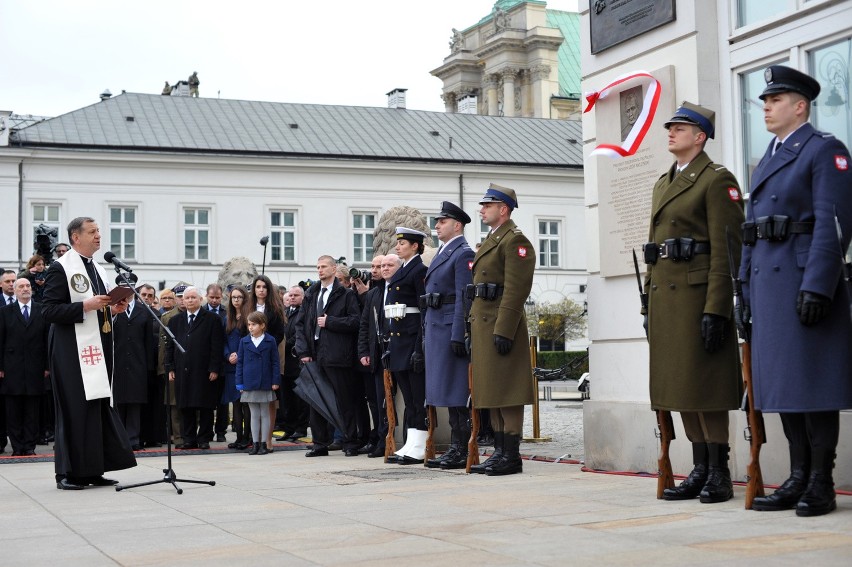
<point x="755" y="136"/>
<point x="831" y="66"/>
<point x="484" y="229"/>
<point x="282" y="235"/>
<point x="432" y="220"/>
<point x="48" y="215"/>
<point x="753" y="11"/>
<point x="548" y="243"/>
<point x="196" y="234"/>
<point x="363" y="225"/>
<point x="122" y="232"/>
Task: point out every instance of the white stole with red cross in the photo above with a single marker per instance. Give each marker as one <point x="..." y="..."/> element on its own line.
<point x="90" y="353"/>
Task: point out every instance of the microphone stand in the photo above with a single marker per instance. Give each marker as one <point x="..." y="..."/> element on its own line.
<point x="169" y="476"/>
<point x="263" y="242"/>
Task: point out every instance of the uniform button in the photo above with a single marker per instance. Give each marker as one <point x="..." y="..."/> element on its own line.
<point x="674" y="223"/>
<point x="654" y="287"/>
<point x="754" y="201"/>
<point x="671" y="286"/>
<point x="774" y="197"/>
<point x="657" y="223"/>
<point x="776" y="268"/>
<point x="756" y="270"/>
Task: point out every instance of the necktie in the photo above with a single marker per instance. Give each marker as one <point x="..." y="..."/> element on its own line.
<point x="10" y="300"/>
<point x="26" y="313"/>
<point x="778" y="144"/>
<point x="441" y="247"/>
<point x="320" y="307"/>
<point x="191" y="319"/>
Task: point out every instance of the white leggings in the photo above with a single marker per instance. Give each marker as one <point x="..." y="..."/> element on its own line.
<point x="260" y="423"/>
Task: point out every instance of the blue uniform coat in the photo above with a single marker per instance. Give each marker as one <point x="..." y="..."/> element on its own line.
<point x="446" y="373"/>
<point x="798" y="368"/>
<point x="258" y="367"/>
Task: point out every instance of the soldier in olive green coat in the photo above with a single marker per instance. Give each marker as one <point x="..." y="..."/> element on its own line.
<point x="502" y="376"/>
<point x="695" y="366"/>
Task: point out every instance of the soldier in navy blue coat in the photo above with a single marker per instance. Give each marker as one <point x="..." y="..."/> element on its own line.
<point x="801" y="195"/>
<point x="446" y="357"/>
<point x="406" y="341"/>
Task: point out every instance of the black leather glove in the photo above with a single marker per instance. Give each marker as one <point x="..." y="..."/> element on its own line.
<point x="645" y="324"/>
<point x="742" y="318"/>
<point x="811" y="307"/>
<point x="417" y="362"/>
<point x="712" y="331"/>
<point x="503" y="344"/>
<point x="458" y="348"/>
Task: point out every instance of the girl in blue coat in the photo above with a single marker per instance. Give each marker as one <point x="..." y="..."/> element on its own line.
<point x="258" y="376"/>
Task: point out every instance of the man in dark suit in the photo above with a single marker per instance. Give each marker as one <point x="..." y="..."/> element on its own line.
<point x="214" y="305"/>
<point x="296" y="411"/>
<point x="446" y="356"/>
<point x="7" y="281"/>
<point x="326" y="332"/>
<point x="792" y="266"/>
<point x="23" y="367"/>
<point x="135" y="367"/>
<point x="195" y="371"/>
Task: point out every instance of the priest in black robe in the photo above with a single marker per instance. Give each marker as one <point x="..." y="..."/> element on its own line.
<point x="90" y="439"/>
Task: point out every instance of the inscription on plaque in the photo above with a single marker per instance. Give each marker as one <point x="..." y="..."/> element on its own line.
<point x="616" y="21"/>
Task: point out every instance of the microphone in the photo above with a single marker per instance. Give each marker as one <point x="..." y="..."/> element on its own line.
<point x="112" y="259"/>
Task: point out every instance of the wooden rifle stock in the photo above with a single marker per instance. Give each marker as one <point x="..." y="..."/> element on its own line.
<point x="390" y="443"/>
<point x="755" y="433"/>
<point x="431" y="420"/>
<point x="472" y="445"/>
<point x="664" y="463"/>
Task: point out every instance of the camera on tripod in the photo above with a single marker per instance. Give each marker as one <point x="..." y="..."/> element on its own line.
<point x="363" y="275"/>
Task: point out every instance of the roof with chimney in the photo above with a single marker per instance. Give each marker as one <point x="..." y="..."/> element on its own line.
<point x="155" y="123"/>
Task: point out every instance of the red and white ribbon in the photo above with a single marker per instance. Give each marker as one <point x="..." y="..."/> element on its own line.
<point x="649" y="108"/>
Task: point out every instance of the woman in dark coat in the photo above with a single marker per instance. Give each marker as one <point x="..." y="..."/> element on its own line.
<point x="235" y="329"/>
<point x="264" y="297"/>
<point x="406" y="341"/>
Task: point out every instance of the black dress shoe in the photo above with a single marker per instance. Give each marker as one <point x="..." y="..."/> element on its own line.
<point x="317" y="452"/>
<point x="153" y="444"/>
<point x="65" y="484"/>
<point x="204" y="446"/>
<point x="136" y="447"/>
<point x="17" y="454"/>
<point x="367" y="449"/>
<point x="351" y="452"/>
<point x="406" y="460"/>
<point x="101" y="481"/>
<point x="335" y="447"/>
<point x="282" y="437"/>
<point x="297" y="435"/>
<point x="220" y="438"/>
<point x="187" y="446"/>
<point x="377" y="452"/>
<point x="457" y="461"/>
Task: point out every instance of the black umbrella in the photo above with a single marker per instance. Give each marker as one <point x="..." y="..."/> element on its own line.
<point x="316" y="389"/>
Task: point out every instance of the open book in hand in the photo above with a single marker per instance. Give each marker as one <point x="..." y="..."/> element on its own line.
<point x="118" y="293"/>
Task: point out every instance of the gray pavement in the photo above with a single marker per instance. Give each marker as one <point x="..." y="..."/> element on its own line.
<point x="284" y="509"/>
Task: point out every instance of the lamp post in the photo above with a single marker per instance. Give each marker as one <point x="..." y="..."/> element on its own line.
<point x="263" y="242"/>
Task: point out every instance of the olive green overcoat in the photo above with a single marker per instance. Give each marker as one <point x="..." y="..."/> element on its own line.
<point x="697" y="203"/>
<point x="505" y="258"/>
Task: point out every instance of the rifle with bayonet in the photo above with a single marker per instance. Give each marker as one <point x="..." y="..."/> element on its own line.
<point x="472" y="443"/>
<point x="754" y="432"/>
<point x="665" y="426"/>
<point x="390" y="443"/>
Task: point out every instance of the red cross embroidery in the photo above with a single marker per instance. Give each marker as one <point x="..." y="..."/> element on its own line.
<point x="91" y="355"/>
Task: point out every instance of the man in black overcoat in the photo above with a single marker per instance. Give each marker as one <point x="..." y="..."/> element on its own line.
<point x="196" y="371"/>
<point x="135" y="367"/>
<point x="23" y="367"/>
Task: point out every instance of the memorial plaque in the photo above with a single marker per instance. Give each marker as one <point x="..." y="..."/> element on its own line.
<point x="625" y="184"/>
<point x="615" y="21"/>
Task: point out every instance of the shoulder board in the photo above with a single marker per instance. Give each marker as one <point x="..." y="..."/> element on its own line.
<point x="717" y="168"/>
<point x="825" y="135"/>
<point x="517" y="231"/>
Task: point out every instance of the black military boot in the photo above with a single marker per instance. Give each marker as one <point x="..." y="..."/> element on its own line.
<point x="819" y="496"/>
<point x="495" y="456"/>
<point x="510" y="462"/>
<point x="691" y="486"/>
<point x="438" y="461"/>
<point x="788" y="494"/>
<point x="719" y="487"/>
<point x="459" y="459"/>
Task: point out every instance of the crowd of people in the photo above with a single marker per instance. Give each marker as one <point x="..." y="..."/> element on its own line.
<point x="184" y="364"/>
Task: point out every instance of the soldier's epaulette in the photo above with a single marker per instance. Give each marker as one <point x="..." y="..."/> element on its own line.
<point x="825" y="135"/>
<point x="517" y="231"/>
<point x="717" y="168"/>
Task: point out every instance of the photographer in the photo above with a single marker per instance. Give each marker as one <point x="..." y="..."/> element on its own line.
<point x="35" y="273"/>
